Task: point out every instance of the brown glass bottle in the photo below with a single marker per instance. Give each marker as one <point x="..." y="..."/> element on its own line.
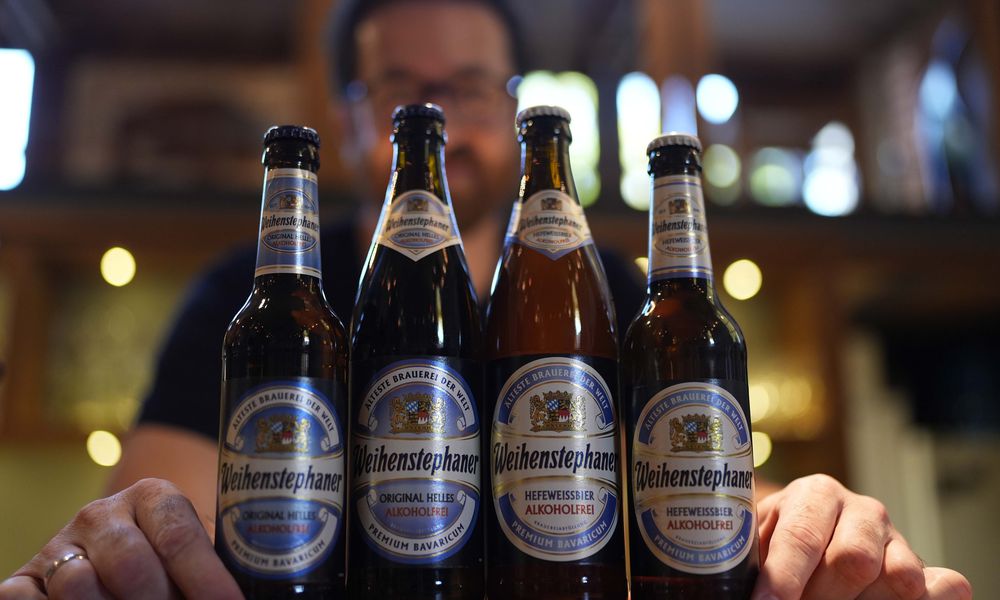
<point x="280" y="514"/>
<point x="692" y="525"/>
<point x="416" y="374"/>
<point x="553" y="525"/>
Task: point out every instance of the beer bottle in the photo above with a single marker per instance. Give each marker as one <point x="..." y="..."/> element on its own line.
<point x="279" y="518"/>
<point x="554" y="523"/>
<point x="415" y="384"/>
<point x="692" y="525"/>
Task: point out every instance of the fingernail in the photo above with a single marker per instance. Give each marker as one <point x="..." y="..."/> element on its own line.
<point x="765" y="596"/>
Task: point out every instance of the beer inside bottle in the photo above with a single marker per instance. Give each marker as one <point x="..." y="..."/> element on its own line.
<point x="554" y="520"/>
<point x="692" y="525"/>
<point x="280" y="513"/>
<point x="416" y="375"/>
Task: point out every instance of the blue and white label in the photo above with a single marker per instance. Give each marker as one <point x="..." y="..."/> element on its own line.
<point x="678" y="238"/>
<point x="550" y="222"/>
<point x="281" y="480"/>
<point x="416" y="462"/>
<point x="554" y="460"/>
<point x="289" y="224"/>
<point x="692" y="478"/>
<point x="417" y="224"/>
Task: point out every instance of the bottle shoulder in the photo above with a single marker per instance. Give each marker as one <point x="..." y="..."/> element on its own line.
<point x="407" y="307"/>
<point x="540" y="305"/>
<point x="275" y="319"/>
<point x="682" y="320"/>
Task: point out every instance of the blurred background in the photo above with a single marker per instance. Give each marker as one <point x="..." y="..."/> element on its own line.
<point x="851" y="170"/>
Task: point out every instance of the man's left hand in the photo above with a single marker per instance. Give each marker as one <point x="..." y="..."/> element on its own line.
<point x="819" y="540"/>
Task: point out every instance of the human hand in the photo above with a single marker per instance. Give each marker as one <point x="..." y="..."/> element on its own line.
<point x="144" y="542"/>
<point x="819" y="540"/>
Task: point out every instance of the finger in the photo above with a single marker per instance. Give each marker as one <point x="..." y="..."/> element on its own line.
<point x="120" y="553"/>
<point x="852" y="560"/>
<point x="76" y="578"/>
<point x="945" y="584"/>
<point x="767" y="514"/>
<point x="902" y="574"/>
<point x="183" y="546"/>
<point x="803" y="530"/>
<point x="21" y="587"/>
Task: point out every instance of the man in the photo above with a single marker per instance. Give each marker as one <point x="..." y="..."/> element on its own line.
<point x="818" y="540"/>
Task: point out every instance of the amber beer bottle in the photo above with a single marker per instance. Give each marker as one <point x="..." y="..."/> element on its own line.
<point x="280" y="514"/>
<point x="416" y="373"/>
<point x="692" y="525"/>
<point x="554" y="522"/>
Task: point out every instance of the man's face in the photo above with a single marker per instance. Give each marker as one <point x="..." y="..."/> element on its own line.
<point x="455" y="55"/>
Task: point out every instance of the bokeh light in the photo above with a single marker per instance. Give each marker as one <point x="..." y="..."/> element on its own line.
<point x="118" y="266"/>
<point x="775" y="177"/>
<point x="831" y="174"/>
<point x="742" y="279"/>
<point x="638" y="101"/>
<point x="722" y="166"/>
<point x="577" y="93"/>
<point x="938" y="90"/>
<point x="717" y="98"/>
<point x="762" y="447"/>
<point x="761" y="402"/>
<point x="679" y="112"/>
<point x="104" y="448"/>
<point x="17" y="79"/>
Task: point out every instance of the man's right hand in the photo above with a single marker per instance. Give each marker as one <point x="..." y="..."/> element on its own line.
<point x="143" y="542"/>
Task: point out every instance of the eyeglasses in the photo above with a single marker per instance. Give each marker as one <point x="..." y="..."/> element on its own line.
<point x="472" y="98"/>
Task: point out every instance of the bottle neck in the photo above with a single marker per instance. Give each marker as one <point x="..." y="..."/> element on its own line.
<point x="679" y="255"/>
<point x="418" y="164"/>
<point x="547" y="216"/>
<point x="701" y="287"/>
<point x="288" y="243"/>
<point x="545" y="164"/>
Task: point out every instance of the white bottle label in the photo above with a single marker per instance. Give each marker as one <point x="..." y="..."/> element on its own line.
<point x="289" y="224"/>
<point x="417" y="224"/>
<point x="550" y="222"/>
<point x="554" y="461"/>
<point x="416" y="462"/>
<point x="678" y="241"/>
<point x="281" y="480"/>
<point x="692" y="478"/>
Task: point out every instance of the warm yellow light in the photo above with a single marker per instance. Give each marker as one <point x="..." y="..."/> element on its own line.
<point x="760" y="402"/>
<point x="118" y="266"/>
<point x="643" y="263"/>
<point x="742" y="279"/>
<point x="762" y="447"/>
<point x="796" y="397"/>
<point x="104" y="448"/>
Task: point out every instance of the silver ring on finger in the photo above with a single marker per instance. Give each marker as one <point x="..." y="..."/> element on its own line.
<point x="65" y="558"/>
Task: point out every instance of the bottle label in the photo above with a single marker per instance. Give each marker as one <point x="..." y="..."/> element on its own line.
<point x="281" y="478"/>
<point x="550" y="222"/>
<point x="289" y="224"/>
<point x="416" y="454"/>
<point x="417" y="224"/>
<point x="554" y="460"/>
<point x="678" y="240"/>
<point x="692" y="478"/>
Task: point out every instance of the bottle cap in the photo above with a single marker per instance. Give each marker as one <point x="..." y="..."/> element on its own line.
<point x="541" y="111"/>
<point x="425" y="110"/>
<point x="291" y="132"/>
<point x="674" y="139"/>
